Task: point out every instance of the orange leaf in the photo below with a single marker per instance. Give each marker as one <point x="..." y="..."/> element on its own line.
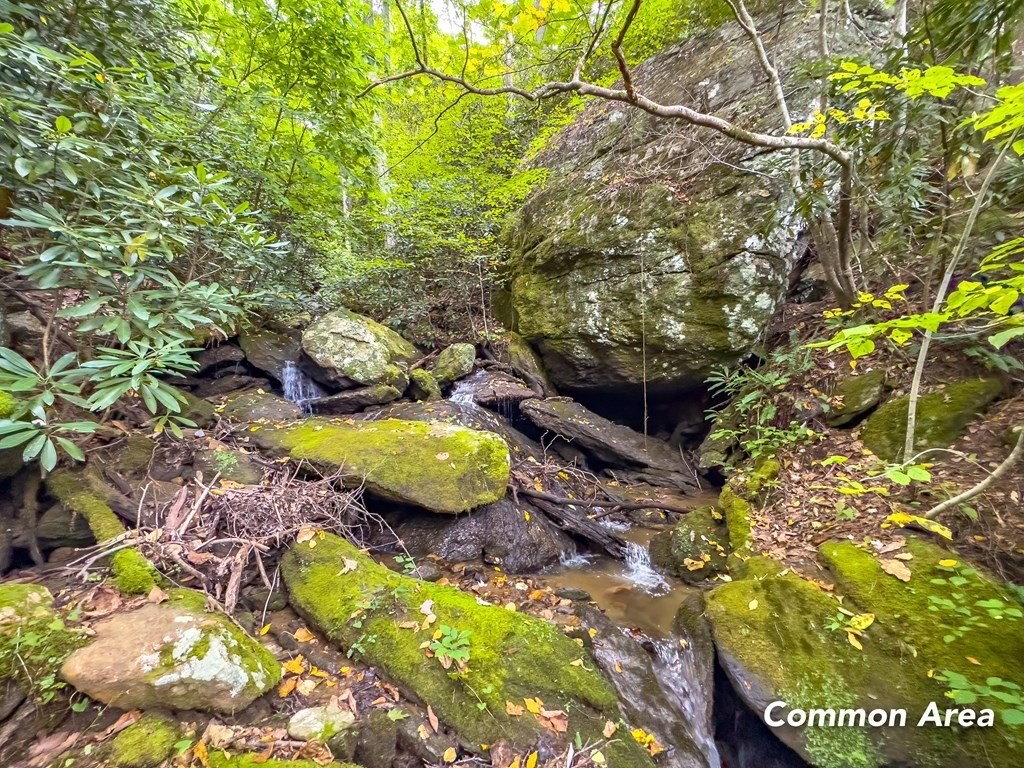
<point x="287" y="686"/>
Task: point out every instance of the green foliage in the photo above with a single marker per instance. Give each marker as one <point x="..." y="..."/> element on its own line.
<point x="450" y="646"/>
<point x="762" y="414"/>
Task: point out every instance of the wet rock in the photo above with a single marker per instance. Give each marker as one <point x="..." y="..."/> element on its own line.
<point x="496" y="390"/>
<point x="145" y="743"/>
<point x="230" y="464"/>
<point x="941" y="417"/>
<point x="319" y="723"/>
<point x="423" y="386"/>
<point x="227" y="385"/>
<point x="516" y="536"/>
<point x="254" y="405"/>
<point x="650" y="700"/>
<point x="774" y="642"/>
<point x="512" y="655"/>
<point x="173" y="655"/>
<point x="270" y="351"/>
<point x="572" y="593"/>
<point x="56" y="528"/>
<point x="348" y="348"/>
<point x="354" y="400"/>
<point x="429" y="750"/>
<point x="443" y="468"/>
<point x="377" y="743"/>
<point x="857" y="395"/>
<point x="609" y="442"/>
<point x="453" y="363"/>
<point x="426" y="572"/>
<point x="526" y="364"/>
<point x="220" y="356"/>
<point x="696" y="549"/>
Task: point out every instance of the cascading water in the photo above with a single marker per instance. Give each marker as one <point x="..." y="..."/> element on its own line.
<point x="640" y="571"/>
<point x="299" y="388"/>
<point x="464" y="392"/>
<point x="676" y="672"/>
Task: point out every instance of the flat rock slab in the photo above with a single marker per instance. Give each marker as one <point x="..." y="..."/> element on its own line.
<point x="440" y="467"/>
<point x="173" y="655"/>
<point x="607" y="441"/>
<point x="354" y="400"/>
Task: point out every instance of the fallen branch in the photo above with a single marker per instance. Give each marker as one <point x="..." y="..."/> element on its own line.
<point x="617" y="506"/>
<point x="1002" y="469"/>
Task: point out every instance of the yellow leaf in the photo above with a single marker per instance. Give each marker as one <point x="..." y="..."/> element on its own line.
<point x="598" y="758"/>
<point x="947" y="563"/>
<point x="535" y="706"/>
<point x="303" y="635"/>
<point x="618" y="667"/>
<point x="576" y="663"/>
<point x="513" y="709"/>
<point x="200" y="753"/>
<point x="752" y="605"/>
<point x="350" y="565"/>
<point x="264" y="629"/>
<point x="287" y="686"/>
<point x="294" y="666"/>
<point x="516" y="763"/>
<point x="854" y="641"/>
<point x="423" y="732"/>
<point x="531" y="760"/>
<point x="450" y="755"/>
<point x="973" y="660"/>
<point x="862" y="621"/>
<point x="902" y="519"/>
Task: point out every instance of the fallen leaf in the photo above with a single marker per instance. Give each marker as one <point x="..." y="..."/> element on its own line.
<point x="609" y="729"/>
<point x="752" y="605"/>
<point x="895" y="568"/>
<point x="287" y="686"/>
<point x="442" y="456"/>
<point x="854" y="641"/>
<point x="423" y="732"/>
<point x="303" y="635"/>
<point x="295" y="666"/>
<point x="513" y="709"/>
<point x="156" y="595"/>
<point x="432" y="719"/>
<point x="947" y="563"/>
<point x="531" y="760"/>
<point x="450" y="755"/>
<point x="862" y="621"/>
<point x="307" y="686"/>
<point x="264" y="629"/>
<point x="535" y="706"/>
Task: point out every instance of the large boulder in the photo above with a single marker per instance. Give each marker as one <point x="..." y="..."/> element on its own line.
<point x="172" y="655"/>
<point x="657" y="251"/>
<point x="783" y="638"/>
<point x="453" y="363"/>
<point x="440" y="467"/>
<point x="257" y="404"/>
<point x="269" y="350"/>
<point x="941" y="417"/>
<point x="349" y="348"/>
<point x="417" y="633"/>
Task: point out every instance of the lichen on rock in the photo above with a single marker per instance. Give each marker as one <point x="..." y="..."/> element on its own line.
<point x="352" y="348"/>
<point x="453" y="363"/>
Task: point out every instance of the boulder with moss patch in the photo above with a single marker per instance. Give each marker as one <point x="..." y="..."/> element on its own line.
<point x="386" y="618"/>
<point x="257" y="405"/>
<point x="26" y="610"/>
<point x="230" y="464"/>
<point x="440" y="467"/>
<point x="782" y="638"/>
<point x="145" y="743"/>
<point x="454" y="362"/>
<point x="269" y="350"/>
<point x="941" y="417"/>
<point x="423" y="386"/>
<point x="352" y="349"/>
<point x="855" y="396"/>
<point x="696" y="548"/>
<point x="174" y="655"/>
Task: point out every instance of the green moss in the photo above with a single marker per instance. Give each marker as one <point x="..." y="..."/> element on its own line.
<point x="423" y="386"/>
<point x="145" y="743"/>
<point x="7" y="404"/>
<point x="941" y="417"/>
<point x="453" y="363"/>
<point x="133" y="573"/>
<point x="26" y="612"/>
<point x="363" y="606"/>
<point x="736" y="511"/>
<point x="695" y="549"/>
<point x="73" y="490"/>
<point x="230" y="465"/>
<point x="857" y="395"/>
<point x="136" y="455"/>
<point x="441" y="467"/>
<point x="766" y="471"/>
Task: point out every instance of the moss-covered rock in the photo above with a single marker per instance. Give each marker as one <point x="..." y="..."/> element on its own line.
<point x="441" y="467"/>
<point x="453" y="363"/>
<point x="856" y="395"/>
<point x="696" y="548"/>
<point x="423" y="386"/>
<point x="736" y="511"/>
<point x="351" y="348"/>
<point x="198" y="410"/>
<point x="82" y="493"/>
<point x="525" y="363"/>
<point x="135" y="457"/>
<point x="255" y="405"/>
<point x="780" y="637"/>
<point x="145" y="743"/>
<point x="941" y="417"/>
<point x="173" y="655"/>
<point x="26" y="610"/>
<point x="386" y="618"/>
<point x="7" y="404"/>
<point x="229" y="464"/>
<point x="269" y="350"/>
<point x="10" y="458"/>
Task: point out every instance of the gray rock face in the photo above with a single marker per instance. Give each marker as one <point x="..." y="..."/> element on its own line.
<point x="270" y="351"/>
<point x="354" y="400"/>
<point x="453" y="363"/>
<point x="351" y="348"/>
<point x="174" y="656"/>
<point x="657" y="251"/>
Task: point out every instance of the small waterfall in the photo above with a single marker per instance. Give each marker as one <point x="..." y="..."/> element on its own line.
<point x="573" y="559"/>
<point x="679" y="678"/>
<point x="298" y="387"/>
<point x="464" y="392"/>
<point x="640" y="571"/>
